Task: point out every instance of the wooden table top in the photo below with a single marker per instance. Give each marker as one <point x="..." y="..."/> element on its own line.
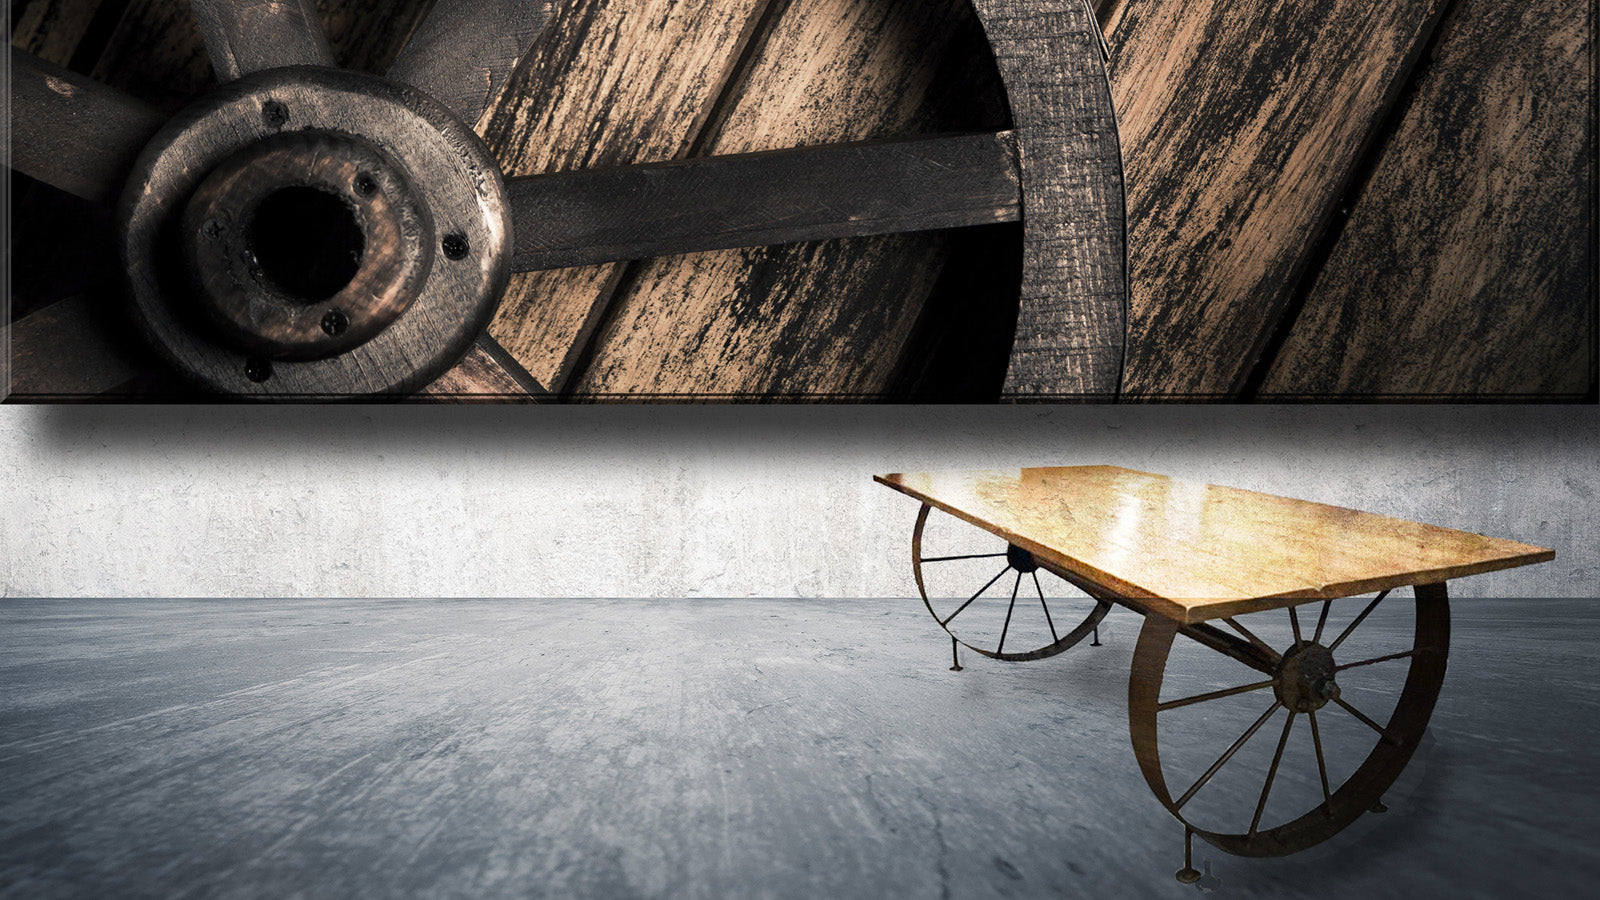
<point x="1193" y="551"/>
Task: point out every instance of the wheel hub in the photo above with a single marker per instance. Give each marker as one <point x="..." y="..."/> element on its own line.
<point x="1020" y="559"/>
<point x="1306" y="678"/>
<point x="312" y="232"/>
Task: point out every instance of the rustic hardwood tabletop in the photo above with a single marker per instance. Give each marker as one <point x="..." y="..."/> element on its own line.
<point x="1194" y="552"/>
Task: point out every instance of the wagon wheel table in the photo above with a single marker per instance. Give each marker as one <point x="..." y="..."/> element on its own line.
<point x="1226" y="570"/>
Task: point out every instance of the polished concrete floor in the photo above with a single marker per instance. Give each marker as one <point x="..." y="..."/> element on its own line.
<point x="739" y="748"/>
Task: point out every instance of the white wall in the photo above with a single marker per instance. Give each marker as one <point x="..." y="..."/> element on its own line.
<point x="697" y="501"/>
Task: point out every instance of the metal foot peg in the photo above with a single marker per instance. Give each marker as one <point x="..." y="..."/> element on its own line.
<point x="1096" y="641"/>
<point x="1188" y="874"/>
<point x="955" y="655"/>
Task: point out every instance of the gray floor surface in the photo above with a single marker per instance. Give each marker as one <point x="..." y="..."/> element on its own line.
<point x="695" y="748"/>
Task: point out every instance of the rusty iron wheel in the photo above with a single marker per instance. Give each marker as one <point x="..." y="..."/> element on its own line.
<point x="1273" y="798"/>
<point x="1017" y="609"/>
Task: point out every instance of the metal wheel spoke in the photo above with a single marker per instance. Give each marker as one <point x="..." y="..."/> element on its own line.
<point x="717" y="203"/>
<point x="244" y="36"/>
<point x="1272" y="774"/>
<point x="1054" y="638"/>
<point x="1226" y="755"/>
<point x="1358" y="620"/>
<point x="1365" y="720"/>
<point x="1294" y="622"/>
<point x="1007" y="626"/>
<point x="1322" y="620"/>
<point x="1322" y="766"/>
<point x="72" y="132"/>
<point x="1250" y="636"/>
<point x="1215" y="695"/>
<point x="929" y="559"/>
<point x="1378" y="659"/>
<point x="975" y="596"/>
<point x="465" y="50"/>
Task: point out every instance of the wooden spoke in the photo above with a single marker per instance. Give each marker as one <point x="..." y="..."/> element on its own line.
<point x="464" y="51"/>
<point x="1367" y="662"/>
<point x="67" y="349"/>
<point x="1358" y="620"/>
<point x="1215" y="695"/>
<point x="72" y="132"/>
<point x="1226" y="755"/>
<point x="975" y="596"/>
<point x="836" y="191"/>
<point x="1055" y="638"/>
<point x="244" y="36"/>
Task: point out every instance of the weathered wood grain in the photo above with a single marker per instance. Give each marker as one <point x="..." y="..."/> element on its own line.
<point x="815" y="320"/>
<point x="1072" y="319"/>
<point x="610" y="82"/>
<point x="72" y="350"/>
<point x="244" y="36"/>
<point x="72" y="132"/>
<point x="51" y="29"/>
<point x="1466" y="266"/>
<point x="778" y="197"/>
<point x="1242" y="123"/>
<point x="157" y="54"/>
<point x="487" y="374"/>
<point x="464" y="51"/>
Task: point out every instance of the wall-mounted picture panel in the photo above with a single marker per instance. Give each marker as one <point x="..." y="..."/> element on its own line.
<point x="768" y="200"/>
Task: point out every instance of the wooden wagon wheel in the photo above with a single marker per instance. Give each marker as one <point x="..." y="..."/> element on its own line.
<point x="1011" y="608"/>
<point x="1337" y="766"/>
<point x="302" y="231"/>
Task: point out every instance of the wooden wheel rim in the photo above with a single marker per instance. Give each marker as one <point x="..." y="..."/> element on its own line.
<point x="1359" y="793"/>
<point x="1064" y="642"/>
<point x="1072" y="322"/>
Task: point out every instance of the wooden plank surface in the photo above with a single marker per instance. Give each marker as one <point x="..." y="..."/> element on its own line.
<point x="1242" y="122"/>
<point x="609" y="82"/>
<point x="1466" y="267"/>
<point x="815" y="319"/>
<point x="1194" y="551"/>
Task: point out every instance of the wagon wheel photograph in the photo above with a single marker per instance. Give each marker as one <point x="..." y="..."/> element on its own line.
<point x="456" y="211"/>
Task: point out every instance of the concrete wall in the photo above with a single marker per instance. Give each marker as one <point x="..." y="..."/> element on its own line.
<point x="697" y="501"/>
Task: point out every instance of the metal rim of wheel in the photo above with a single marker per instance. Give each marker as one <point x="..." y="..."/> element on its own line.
<point x="1302" y="679"/>
<point x="1058" y="171"/>
<point x="1026" y="568"/>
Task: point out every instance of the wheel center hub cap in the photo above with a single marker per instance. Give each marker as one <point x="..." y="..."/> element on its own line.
<point x="1306" y="678"/>
<point x="314" y="232"/>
